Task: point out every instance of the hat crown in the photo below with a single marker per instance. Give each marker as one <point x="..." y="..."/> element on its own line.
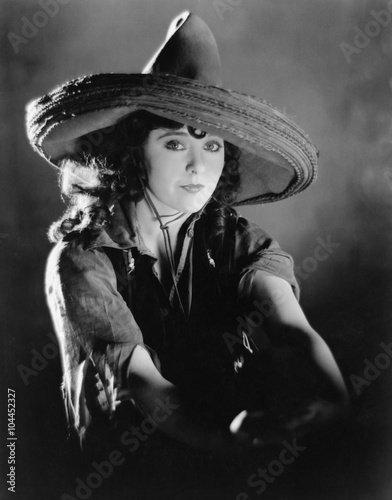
<point x="189" y="51"/>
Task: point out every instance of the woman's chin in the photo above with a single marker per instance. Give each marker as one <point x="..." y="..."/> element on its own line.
<point x="195" y="202"/>
<point x="190" y="203"/>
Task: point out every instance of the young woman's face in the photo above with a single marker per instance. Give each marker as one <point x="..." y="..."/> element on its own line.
<point x="183" y="169"/>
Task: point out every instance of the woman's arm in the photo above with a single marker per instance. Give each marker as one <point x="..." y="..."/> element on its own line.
<point x="286" y="325"/>
<point x="149" y="390"/>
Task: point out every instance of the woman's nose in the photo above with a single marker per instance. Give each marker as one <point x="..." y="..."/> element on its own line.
<point x="195" y="162"/>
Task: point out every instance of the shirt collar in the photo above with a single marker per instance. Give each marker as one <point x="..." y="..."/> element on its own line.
<point x="121" y="232"/>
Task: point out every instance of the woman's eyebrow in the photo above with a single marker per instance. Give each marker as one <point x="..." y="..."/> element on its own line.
<point x="172" y="132"/>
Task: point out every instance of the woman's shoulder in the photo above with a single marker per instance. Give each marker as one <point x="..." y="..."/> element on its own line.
<point x="74" y="254"/>
<point x="250" y="231"/>
<point x="229" y="227"/>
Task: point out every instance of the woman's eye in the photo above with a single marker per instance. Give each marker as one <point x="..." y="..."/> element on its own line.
<point x="174" y="145"/>
<point x="213" y="147"/>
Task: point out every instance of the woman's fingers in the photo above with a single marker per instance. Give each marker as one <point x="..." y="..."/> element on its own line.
<point x="261" y="429"/>
<point x="236" y="424"/>
<point x="258" y="429"/>
<point x="244" y="420"/>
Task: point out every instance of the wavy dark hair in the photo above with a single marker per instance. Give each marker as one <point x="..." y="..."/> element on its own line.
<point x="110" y="162"/>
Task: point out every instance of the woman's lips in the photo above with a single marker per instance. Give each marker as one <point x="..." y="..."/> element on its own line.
<point x="193" y="188"/>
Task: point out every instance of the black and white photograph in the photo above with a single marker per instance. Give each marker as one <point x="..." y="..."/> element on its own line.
<point x="196" y="249"/>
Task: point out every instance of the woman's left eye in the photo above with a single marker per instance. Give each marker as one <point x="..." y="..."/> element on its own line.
<point x="213" y="146"/>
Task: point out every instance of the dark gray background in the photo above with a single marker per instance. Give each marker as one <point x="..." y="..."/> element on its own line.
<point x="288" y="52"/>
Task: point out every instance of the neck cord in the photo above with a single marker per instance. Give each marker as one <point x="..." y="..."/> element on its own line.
<point x="167" y="241"/>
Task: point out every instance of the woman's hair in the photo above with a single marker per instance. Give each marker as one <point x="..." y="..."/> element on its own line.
<point x="110" y="163"/>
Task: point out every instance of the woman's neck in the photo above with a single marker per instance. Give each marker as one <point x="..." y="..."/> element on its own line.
<point x="151" y="234"/>
<point x="149" y="223"/>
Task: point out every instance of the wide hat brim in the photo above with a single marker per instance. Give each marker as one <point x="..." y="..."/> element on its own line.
<point x="278" y="160"/>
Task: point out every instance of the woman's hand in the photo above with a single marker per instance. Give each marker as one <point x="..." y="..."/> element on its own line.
<point x="270" y="429"/>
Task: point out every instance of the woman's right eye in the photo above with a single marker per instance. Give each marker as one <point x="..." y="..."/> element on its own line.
<point x="174" y="145"/>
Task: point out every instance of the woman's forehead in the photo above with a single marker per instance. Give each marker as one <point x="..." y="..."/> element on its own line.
<point x="184" y="131"/>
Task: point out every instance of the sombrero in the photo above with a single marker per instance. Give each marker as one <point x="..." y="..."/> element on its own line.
<point x="182" y="82"/>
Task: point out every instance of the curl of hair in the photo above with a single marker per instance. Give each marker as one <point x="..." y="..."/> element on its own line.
<point x="110" y="163"/>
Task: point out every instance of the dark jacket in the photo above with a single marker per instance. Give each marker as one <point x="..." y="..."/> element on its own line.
<point x="105" y="298"/>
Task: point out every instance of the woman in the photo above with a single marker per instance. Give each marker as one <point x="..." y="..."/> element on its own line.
<point x="154" y="273"/>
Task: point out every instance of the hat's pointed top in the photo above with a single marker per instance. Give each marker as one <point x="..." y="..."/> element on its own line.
<point x="189" y="51"/>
